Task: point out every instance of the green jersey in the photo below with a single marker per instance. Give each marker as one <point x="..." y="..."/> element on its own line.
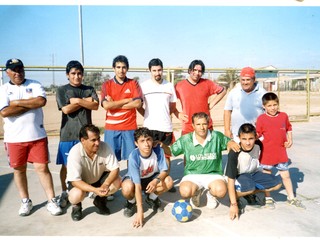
<point x="200" y="159"/>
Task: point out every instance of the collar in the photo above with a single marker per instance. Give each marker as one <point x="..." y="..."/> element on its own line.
<point x="116" y="81"/>
<point x="195" y="141"/>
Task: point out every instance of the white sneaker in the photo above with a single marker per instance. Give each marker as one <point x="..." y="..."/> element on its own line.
<point x="212" y="201"/>
<point x="25" y="207"/>
<point x="53" y="207"/>
<point x="63" y="199"/>
<point x="195" y="200"/>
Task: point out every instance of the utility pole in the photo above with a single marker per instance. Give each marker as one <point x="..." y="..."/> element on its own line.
<point x="53" y="72"/>
<point x="81" y="34"/>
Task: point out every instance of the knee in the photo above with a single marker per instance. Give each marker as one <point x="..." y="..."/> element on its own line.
<point x="185" y="191"/>
<point x="127" y="189"/>
<point x="168" y="182"/>
<point x="76" y="195"/>
<point x="218" y="189"/>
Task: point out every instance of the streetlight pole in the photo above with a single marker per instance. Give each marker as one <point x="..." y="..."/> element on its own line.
<point x="81" y="34"/>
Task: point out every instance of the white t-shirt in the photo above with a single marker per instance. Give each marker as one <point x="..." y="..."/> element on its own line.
<point x="157" y="99"/>
<point x="29" y="125"/>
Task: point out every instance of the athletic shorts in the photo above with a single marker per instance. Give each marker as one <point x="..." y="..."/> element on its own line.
<point x="121" y="142"/>
<point x="63" y="151"/>
<point x="166" y="137"/>
<point x="143" y="181"/>
<point x="279" y="166"/>
<point x="33" y="152"/>
<point x="202" y="180"/>
<point x="257" y="181"/>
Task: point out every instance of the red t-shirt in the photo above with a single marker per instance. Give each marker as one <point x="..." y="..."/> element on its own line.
<point x="194" y="98"/>
<point x="121" y="119"/>
<point x="274" y="131"/>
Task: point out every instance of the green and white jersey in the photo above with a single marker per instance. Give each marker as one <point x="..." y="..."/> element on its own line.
<point x="201" y="159"/>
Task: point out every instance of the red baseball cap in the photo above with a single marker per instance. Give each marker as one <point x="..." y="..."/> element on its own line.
<point x="247" y="72"/>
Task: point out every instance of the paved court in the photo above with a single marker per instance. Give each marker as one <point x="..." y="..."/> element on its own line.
<point x="284" y="221"/>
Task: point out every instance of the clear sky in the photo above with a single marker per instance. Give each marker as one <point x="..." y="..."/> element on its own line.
<point x="222" y="36"/>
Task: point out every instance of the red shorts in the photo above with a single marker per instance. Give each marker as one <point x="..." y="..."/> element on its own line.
<point x="33" y="152"/>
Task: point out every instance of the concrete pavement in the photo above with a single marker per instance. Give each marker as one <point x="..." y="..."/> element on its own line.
<point x="284" y="221"/>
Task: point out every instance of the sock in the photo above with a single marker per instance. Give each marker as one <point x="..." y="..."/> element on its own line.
<point x="133" y="200"/>
<point x="153" y="196"/>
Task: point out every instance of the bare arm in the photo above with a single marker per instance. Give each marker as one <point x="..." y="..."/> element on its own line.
<point x="138" y="221"/>
<point x="227" y="123"/>
<point x="214" y="101"/>
<point x="141" y="110"/>
<point x="289" y="141"/>
<point x="18" y="107"/>
<point x="234" y="211"/>
<point x="180" y="115"/>
<point x="77" y="103"/>
<point x="126" y="103"/>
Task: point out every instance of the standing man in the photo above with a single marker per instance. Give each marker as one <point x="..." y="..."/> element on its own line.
<point x="120" y="97"/>
<point x="243" y="104"/>
<point x="92" y="167"/>
<point x="202" y="150"/>
<point x="194" y="93"/>
<point x="21" y="102"/>
<point x="75" y="101"/>
<point x="159" y="99"/>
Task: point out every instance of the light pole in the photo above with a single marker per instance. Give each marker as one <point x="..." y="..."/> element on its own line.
<point x="81" y="34"/>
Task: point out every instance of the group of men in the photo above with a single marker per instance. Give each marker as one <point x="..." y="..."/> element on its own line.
<point x="89" y="165"/>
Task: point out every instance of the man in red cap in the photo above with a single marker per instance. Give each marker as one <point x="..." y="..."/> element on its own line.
<point x="243" y="105"/>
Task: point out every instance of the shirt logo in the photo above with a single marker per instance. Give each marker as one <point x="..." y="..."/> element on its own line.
<point x="127" y="91"/>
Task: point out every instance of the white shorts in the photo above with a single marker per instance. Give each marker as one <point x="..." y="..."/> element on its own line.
<point x="202" y="180"/>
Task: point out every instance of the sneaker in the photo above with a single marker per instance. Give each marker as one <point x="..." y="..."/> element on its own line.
<point x="25" y="207"/>
<point x="76" y="213"/>
<point x="110" y="197"/>
<point x="195" y="200"/>
<point x="252" y="200"/>
<point x="129" y="209"/>
<point x="296" y="202"/>
<point x="101" y="204"/>
<point x="63" y="199"/>
<point x="154" y="204"/>
<point x="241" y="207"/>
<point x="212" y="201"/>
<point x="172" y="190"/>
<point x="270" y="203"/>
<point x="53" y="207"/>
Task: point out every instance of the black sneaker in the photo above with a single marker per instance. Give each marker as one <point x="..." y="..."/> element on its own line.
<point x="101" y="204"/>
<point x="172" y="190"/>
<point x="76" y="213"/>
<point x="252" y="200"/>
<point x="154" y="204"/>
<point x="241" y="207"/>
<point x="129" y="209"/>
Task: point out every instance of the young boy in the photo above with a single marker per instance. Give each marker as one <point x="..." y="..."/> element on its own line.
<point x="243" y="172"/>
<point x="147" y="171"/>
<point x="275" y="131"/>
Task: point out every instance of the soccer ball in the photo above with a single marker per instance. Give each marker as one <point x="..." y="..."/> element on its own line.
<point x="182" y="210"/>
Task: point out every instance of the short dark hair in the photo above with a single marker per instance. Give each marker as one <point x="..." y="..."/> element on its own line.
<point x="200" y="115"/>
<point x="155" y="62"/>
<point x="120" y="58"/>
<point x="247" y="128"/>
<point x="194" y="63"/>
<point x="269" y="96"/>
<point x="74" y="64"/>
<point x="142" y="131"/>
<point x="83" y="133"/>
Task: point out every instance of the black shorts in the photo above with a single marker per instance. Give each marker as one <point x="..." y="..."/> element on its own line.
<point x="96" y="184"/>
<point x="165" y="137"/>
